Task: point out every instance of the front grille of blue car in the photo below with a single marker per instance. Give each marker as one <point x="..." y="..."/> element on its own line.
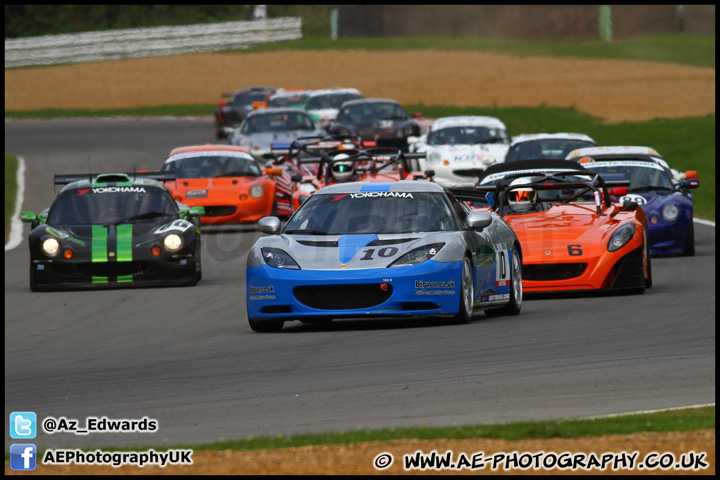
<point x="343" y="297"/>
<point x="553" y="271"/>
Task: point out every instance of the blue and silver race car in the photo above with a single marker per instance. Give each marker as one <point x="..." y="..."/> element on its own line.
<point x="383" y="249"/>
<point x="663" y="193"/>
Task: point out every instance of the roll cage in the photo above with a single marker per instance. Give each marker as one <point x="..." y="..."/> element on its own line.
<point x="571" y="189"/>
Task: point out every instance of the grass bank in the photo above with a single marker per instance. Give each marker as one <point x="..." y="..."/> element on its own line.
<point x="680" y="48"/>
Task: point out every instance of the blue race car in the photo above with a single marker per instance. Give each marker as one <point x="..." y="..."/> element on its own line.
<point x="383" y="249"/>
<point x="663" y="193"/>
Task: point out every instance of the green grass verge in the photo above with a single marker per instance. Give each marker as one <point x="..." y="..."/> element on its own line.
<point x="11" y="166"/>
<point x="666" y="421"/>
<point x="681" y="48"/>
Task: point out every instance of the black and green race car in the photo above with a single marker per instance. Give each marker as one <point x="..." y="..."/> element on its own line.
<point x="114" y="230"/>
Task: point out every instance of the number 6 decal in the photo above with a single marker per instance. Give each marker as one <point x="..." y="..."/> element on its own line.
<point x="502" y="264"/>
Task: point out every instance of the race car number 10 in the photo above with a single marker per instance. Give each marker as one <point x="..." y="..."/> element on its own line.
<point x="502" y="262"/>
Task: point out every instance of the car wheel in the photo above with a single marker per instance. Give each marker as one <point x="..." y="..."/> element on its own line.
<point x="648" y="280"/>
<point x="268" y="326"/>
<point x="467" y="294"/>
<point x="516" y="292"/>
<point x="219" y="134"/>
<point x="33" y="288"/>
<point x="689" y="250"/>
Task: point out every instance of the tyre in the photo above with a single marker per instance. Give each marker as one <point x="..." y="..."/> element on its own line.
<point x="219" y="134"/>
<point x="648" y="280"/>
<point x="689" y="250"/>
<point x="268" y="326"/>
<point x="516" y="292"/>
<point x="467" y="294"/>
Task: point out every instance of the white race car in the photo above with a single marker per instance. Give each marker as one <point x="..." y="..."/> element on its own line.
<point x="460" y="148"/>
<point x="324" y="105"/>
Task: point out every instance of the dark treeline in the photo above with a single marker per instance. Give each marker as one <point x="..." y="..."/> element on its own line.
<point x="34" y="20"/>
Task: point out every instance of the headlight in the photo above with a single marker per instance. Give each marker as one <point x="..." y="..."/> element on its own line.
<point x="172" y="242"/>
<point x="621" y="237"/>
<point x="257" y="191"/>
<point x="51" y="247"/>
<point x="418" y="255"/>
<point x="434" y="158"/>
<point x="670" y="212"/>
<point x="276" y="258"/>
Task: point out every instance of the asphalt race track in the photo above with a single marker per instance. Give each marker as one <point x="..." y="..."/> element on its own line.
<point x="187" y="358"/>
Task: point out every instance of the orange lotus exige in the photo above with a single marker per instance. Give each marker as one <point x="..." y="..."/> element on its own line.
<point x="225" y="179"/>
<point x="574" y="238"/>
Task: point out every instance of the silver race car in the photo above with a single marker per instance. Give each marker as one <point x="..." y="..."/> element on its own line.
<point x="383" y="249"/>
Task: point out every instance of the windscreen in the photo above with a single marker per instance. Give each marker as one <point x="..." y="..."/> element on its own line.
<point x="468" y="136"/>
<point x="365" y="113"/>
<point x="112" y="205"/>
<point x="330" y="101"/>
<point x="247" y="98"/>
<point x="277" y="122"/>
<point x="211" y="166"/>
<point x="372" y="212"/>
<point x="643" y="176"/>
<point x="545" y="149"/>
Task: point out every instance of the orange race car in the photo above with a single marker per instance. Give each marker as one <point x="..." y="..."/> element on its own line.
<point x="381" y="164"/>
<point x="225" y="179"/>
<point x="574" y="238"/>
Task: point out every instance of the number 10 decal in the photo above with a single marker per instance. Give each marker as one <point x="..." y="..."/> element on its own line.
<point x="502" y="265"/>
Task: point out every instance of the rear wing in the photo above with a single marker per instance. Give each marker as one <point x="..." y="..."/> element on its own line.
<point x="113" y="177"/>
<point x="319" y="143"/>
<point x="381" y="157"/>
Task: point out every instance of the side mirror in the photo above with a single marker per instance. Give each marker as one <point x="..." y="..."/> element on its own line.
<point x="274" y="171"/>
<point x="429" y="173"/>
<point x="269" y="225"/>
<point x="478" y="220"/>
<point x="417" y="115"/>
<point x="28" y="217"/>
<point x="691" y="179"/>
<point x="196" y="212"/>
<point x="296" y="178"/>
<point x="617" y="191"/>
<point x="629" y="205"/>
<point x="256" y="105"/>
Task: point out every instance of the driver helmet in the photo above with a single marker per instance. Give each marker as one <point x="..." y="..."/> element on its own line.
<point x="342" y="171"/>
<point x="522" y="199"/>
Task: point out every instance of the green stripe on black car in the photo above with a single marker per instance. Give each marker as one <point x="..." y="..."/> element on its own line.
<point x="99" y="243"/>
<point x="124" y="243"/>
